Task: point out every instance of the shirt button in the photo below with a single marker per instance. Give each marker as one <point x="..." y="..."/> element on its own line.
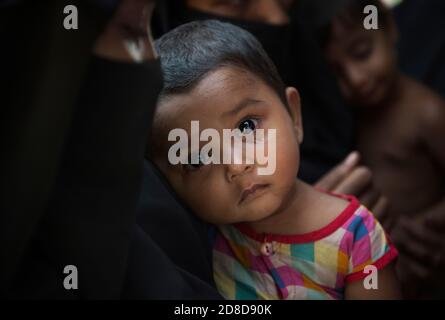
<point x="266" y="249"/>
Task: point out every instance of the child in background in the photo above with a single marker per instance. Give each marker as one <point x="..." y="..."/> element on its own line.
<point x="277" y="237"/>
<point x="401" y="122"/>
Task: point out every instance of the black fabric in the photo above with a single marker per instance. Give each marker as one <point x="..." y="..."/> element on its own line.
<point x="42" y="69"/>
<point x="91" y="223"/>
<point x="276" y="40"/>
<point x="421" y="43"/>
<point x="153" y="275"/>
<point x="87" y="215"/>
<point x="329" y="124"/>
<point x="173" y="227"/>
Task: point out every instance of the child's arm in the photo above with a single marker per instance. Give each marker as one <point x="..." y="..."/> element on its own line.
<point x="387" y="286"/>
<point x="371" y="258"/>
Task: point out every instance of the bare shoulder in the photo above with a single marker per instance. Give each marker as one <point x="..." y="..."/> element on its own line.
<point x="331" y="206"/>
<point x="433" y="117"/>
<point x="427" y="105"/>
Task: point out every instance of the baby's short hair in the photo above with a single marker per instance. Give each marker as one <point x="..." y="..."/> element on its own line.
<point x="193" y="50"/>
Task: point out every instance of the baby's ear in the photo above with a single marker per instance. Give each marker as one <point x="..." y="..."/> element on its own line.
<point x="293" y="102"/>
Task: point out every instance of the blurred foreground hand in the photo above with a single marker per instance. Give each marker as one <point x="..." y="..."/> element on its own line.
<point x="127" y="37"/>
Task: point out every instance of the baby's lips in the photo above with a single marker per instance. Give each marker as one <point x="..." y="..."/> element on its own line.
<point x="250" y="190"/>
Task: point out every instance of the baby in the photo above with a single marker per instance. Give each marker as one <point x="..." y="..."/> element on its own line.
<point x="277" y="237"/>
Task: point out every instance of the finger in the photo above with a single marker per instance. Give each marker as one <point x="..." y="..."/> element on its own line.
<point x="422" y="234"/>
<point x="399" y="236"/>
<point x="389" y="223"/>
<point x="356" y="182"/>
<point x="413" y="267"/>
<point x="370" y="197"/>
<point x="403" y="272"/>
<point x="419" y="251"/>
<point x="436" y="218"/>
<point x="330" y="180"/>
<point x="380" y="210"/>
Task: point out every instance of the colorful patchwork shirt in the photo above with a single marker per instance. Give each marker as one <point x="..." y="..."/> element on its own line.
<point x="315" y="265"/>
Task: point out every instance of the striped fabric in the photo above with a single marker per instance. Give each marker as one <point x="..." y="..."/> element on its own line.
<point x="315" y="265"/>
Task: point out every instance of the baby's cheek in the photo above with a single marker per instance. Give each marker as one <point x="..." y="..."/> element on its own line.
<point x="214" y="211"/>
<point x="209" y="201"/>
<point x="288" y="152"/>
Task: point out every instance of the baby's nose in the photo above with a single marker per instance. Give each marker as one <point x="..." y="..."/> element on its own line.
<point x="237" y="170"/>
<point x="241" y="159"/>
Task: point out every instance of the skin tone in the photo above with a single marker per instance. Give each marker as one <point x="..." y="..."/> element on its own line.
<point x="364" y="62"/>
<point x="284" y="205"/>
<point x="352" y="177"/>
<point x="130" y="23"/>
<point x="272" y="12"/>
<point x="402" y="124"/>
<point x="348" y="177"/>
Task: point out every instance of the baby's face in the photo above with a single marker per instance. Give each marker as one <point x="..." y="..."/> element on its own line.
<point x="364" y="63"/>
<point x="230" y="98"/>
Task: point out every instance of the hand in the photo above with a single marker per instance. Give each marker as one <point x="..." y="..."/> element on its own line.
<point x="435" y="218"/>
<point x="349" y="177"/>
<point x="127" y="37"/>
<point x="421" y="250"/>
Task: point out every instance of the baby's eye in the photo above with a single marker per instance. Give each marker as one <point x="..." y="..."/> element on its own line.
<point x="248" y="126"/>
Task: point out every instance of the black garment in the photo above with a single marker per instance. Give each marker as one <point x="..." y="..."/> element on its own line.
<point x="182" y="236"/>
<point x="276" y="40"/>
<point x="42" y="68"/>
<point x="90" y="222"/>
<point x="421" y="42"/>
<point x="329" y="124"/>
<point x="89" y="218"/>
